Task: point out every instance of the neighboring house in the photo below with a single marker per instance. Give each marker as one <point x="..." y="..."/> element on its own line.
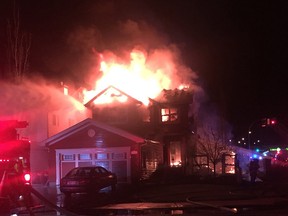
<point x="47" y="109"/>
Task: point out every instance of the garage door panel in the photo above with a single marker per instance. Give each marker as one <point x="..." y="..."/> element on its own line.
<point x="86" y="163"/>
<point x="120" y="169"/>
<point x="66" y="167"/>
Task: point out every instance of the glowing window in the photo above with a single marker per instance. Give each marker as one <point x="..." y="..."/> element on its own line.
<point x="169" y="114"/>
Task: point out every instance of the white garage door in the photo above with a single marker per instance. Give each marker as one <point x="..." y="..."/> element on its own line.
<point x="116" y="160"/>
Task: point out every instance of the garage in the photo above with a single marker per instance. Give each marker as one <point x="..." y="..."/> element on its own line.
<point x="113" y="159"/>
<point x="94" y="143"/>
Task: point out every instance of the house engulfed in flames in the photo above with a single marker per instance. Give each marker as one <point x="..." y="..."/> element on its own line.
<point x="129" y="138"/>
<point x="129" y="134"/>
<point x="165" y="121"/>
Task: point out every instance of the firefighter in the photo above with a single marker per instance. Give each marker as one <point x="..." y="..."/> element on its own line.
<point x="253" y="169"/>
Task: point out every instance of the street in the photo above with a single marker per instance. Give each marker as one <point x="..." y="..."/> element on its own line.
<point x="168" y="199"/>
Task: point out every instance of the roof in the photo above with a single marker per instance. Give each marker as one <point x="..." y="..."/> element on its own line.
<point x="87" y="123"/>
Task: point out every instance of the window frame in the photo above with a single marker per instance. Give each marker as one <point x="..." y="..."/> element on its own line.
<point x="172" y="112"/>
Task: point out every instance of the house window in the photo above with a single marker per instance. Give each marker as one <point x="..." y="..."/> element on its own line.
<point x="85" y="156"/>
<point x="169" y="114"/>
<point x="67" y="157"/>
<point x="101" y="156"/>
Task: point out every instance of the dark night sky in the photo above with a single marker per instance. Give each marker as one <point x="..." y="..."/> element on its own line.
<point x="238" y="48"/>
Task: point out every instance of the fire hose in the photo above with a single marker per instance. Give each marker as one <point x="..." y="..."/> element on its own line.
<point x="222" y="208"/>
<point x="52" y="205"/>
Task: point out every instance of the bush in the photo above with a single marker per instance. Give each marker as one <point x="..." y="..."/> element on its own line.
<point x="168" y="175"/>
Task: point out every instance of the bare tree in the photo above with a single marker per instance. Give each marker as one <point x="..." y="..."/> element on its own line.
<point x="213" y="143"/>
<point x="19" y="44"/>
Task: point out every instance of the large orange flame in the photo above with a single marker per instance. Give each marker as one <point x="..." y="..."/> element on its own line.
<point x="141" y="78"/>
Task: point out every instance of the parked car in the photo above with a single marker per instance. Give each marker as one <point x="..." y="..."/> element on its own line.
<point x="90" y="179"/>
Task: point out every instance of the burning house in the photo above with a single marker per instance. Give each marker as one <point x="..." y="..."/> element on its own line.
<point x="128" y="123"/>
<point x="164" y="121"/>
<point x="121" y="138"/>
<point x="136" y="100"/>
<point x="135" y="125"/>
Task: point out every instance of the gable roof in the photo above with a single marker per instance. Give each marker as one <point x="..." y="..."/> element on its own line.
<point x="90" y="122"/>
<point x="106" y="90"/>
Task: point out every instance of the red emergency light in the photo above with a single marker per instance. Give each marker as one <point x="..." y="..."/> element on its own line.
<point x="27" y="177"/>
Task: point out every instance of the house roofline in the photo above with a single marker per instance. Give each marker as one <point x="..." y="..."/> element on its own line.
<point x="100" y="93"/>
<point x="85" y="123"/>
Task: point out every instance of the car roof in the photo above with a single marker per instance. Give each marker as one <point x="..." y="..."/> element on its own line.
<point x="87" y="167"/>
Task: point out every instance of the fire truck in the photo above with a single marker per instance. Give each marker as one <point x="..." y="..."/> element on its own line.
<point x="15" y="179"/>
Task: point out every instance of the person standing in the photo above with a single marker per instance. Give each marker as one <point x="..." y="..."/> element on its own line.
<point x="253" y="169"/>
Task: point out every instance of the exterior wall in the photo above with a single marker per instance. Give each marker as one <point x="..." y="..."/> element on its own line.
<point x="60" y="120"/>
<point x="125" y="117"/>
<point x="135" y="162"/>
